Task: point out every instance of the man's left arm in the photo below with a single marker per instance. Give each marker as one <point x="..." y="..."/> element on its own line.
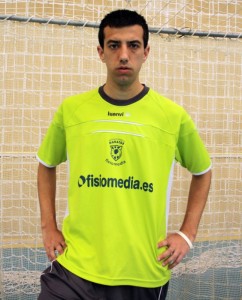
<point x="177" y="246"/>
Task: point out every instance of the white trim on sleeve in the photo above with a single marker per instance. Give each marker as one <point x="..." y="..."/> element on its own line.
<point x="203" y="172"/>
<point x="43" y="163"/>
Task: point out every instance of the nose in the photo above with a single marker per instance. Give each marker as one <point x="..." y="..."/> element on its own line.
<point x="123" y="55"/>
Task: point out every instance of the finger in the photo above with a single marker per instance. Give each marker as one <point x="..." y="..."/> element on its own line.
<point x="169" y="260"/>
<point x="60" y="248"/>
<point x="172" y="265"/>
<point x="51" y="254"/>
<point x="168" y="253"/>
<point x="63" y="244"/>
<point x="162" y="244"/>
<point x="176" y="261"/>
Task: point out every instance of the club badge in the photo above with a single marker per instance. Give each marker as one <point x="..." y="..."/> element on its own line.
<point x="116" y="147"/>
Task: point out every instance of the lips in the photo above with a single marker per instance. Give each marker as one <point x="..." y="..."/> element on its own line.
<point x="123" y="69"/>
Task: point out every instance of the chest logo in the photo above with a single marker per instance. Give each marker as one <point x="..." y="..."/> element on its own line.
<point x="116" y="147"/>
<point x="116" y="152"/>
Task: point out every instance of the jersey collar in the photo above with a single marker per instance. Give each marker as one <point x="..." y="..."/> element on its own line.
<point x="123" y="102"/>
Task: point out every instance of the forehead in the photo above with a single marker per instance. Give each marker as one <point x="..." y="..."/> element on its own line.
<point x="125" y="34"/>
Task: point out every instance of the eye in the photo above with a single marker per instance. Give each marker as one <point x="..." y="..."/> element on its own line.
<point x="113" y="46"/>
<point x="134" y="45"/>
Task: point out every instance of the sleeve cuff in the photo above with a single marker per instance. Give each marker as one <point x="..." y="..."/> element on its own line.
<point x="43" y="163"/>
<point x="203" y="172"/>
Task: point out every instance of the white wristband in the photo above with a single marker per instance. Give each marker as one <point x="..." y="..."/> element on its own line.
<point x="185" y="238"/>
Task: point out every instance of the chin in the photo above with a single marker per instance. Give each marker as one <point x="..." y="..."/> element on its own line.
<point x="125" y="81"/>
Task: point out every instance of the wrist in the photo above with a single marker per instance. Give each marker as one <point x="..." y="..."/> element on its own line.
<point x="186" y="238"/>
<point x="49" y="225"/>
<point x="191" y="234"/>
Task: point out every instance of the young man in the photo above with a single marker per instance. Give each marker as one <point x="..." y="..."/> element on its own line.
<point x="120" y="141"/>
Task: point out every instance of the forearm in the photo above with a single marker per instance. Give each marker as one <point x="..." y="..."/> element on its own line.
<point x="52" y="237"/>
<point x="47" y="192"/>
<point x="176" y="246"/>
<point x="197" y="199"/>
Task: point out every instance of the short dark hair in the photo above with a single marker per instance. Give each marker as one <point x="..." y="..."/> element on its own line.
<point x="122" y="18"/>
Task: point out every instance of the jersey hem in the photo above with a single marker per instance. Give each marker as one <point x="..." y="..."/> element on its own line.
<point x="116" y="282"/>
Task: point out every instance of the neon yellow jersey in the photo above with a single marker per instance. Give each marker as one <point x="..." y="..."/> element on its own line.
<point x="121" y="155"/>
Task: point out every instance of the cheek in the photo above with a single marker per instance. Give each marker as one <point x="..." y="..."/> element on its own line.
<point x="141" y="60"/>
<point x="109" y="65"/>
<point x="109" y="60"/>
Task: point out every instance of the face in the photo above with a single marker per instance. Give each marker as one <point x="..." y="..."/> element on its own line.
<point x="123" y="53"/>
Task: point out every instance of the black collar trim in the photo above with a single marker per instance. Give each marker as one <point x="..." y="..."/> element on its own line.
<point x="123" y="102"/>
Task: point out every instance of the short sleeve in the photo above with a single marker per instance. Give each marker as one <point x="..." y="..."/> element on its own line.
<point x="191" y="152"/>
<point x="52" y="150"/>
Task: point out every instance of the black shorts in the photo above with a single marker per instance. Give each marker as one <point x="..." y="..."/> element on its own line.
<point x="59" y="283"/>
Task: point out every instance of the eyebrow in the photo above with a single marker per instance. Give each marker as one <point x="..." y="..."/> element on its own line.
<point x="119" y="42"/>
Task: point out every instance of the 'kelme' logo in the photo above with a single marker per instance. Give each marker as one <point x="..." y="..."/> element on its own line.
<point x="113" y="114"/>
<point x="119" y="114"/>
<point x="116" y="147"/>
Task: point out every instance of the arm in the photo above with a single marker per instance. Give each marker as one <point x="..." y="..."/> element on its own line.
<point x="52" y="237"/>
<point x="177" y="247"/>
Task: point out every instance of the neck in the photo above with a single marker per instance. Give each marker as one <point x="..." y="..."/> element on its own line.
<point x="122" y="92"/>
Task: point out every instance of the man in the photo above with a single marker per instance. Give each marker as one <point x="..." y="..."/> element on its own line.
<point x="120" y="141"/>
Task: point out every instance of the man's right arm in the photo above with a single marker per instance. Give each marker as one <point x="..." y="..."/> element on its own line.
<point x="52" y="237"/>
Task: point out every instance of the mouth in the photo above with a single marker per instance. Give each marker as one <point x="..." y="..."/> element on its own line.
<point x="123" y="70"/>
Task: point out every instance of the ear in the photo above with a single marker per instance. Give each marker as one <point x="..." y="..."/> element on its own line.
<point x="100" y="53"/>
<point x="146" y="52"/>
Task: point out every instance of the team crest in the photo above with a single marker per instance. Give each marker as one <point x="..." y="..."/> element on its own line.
<point x="116" y="147"/>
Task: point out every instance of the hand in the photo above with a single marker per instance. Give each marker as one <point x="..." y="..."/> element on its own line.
<point x="53" y="242"/>
<point x="176" y="249"/>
